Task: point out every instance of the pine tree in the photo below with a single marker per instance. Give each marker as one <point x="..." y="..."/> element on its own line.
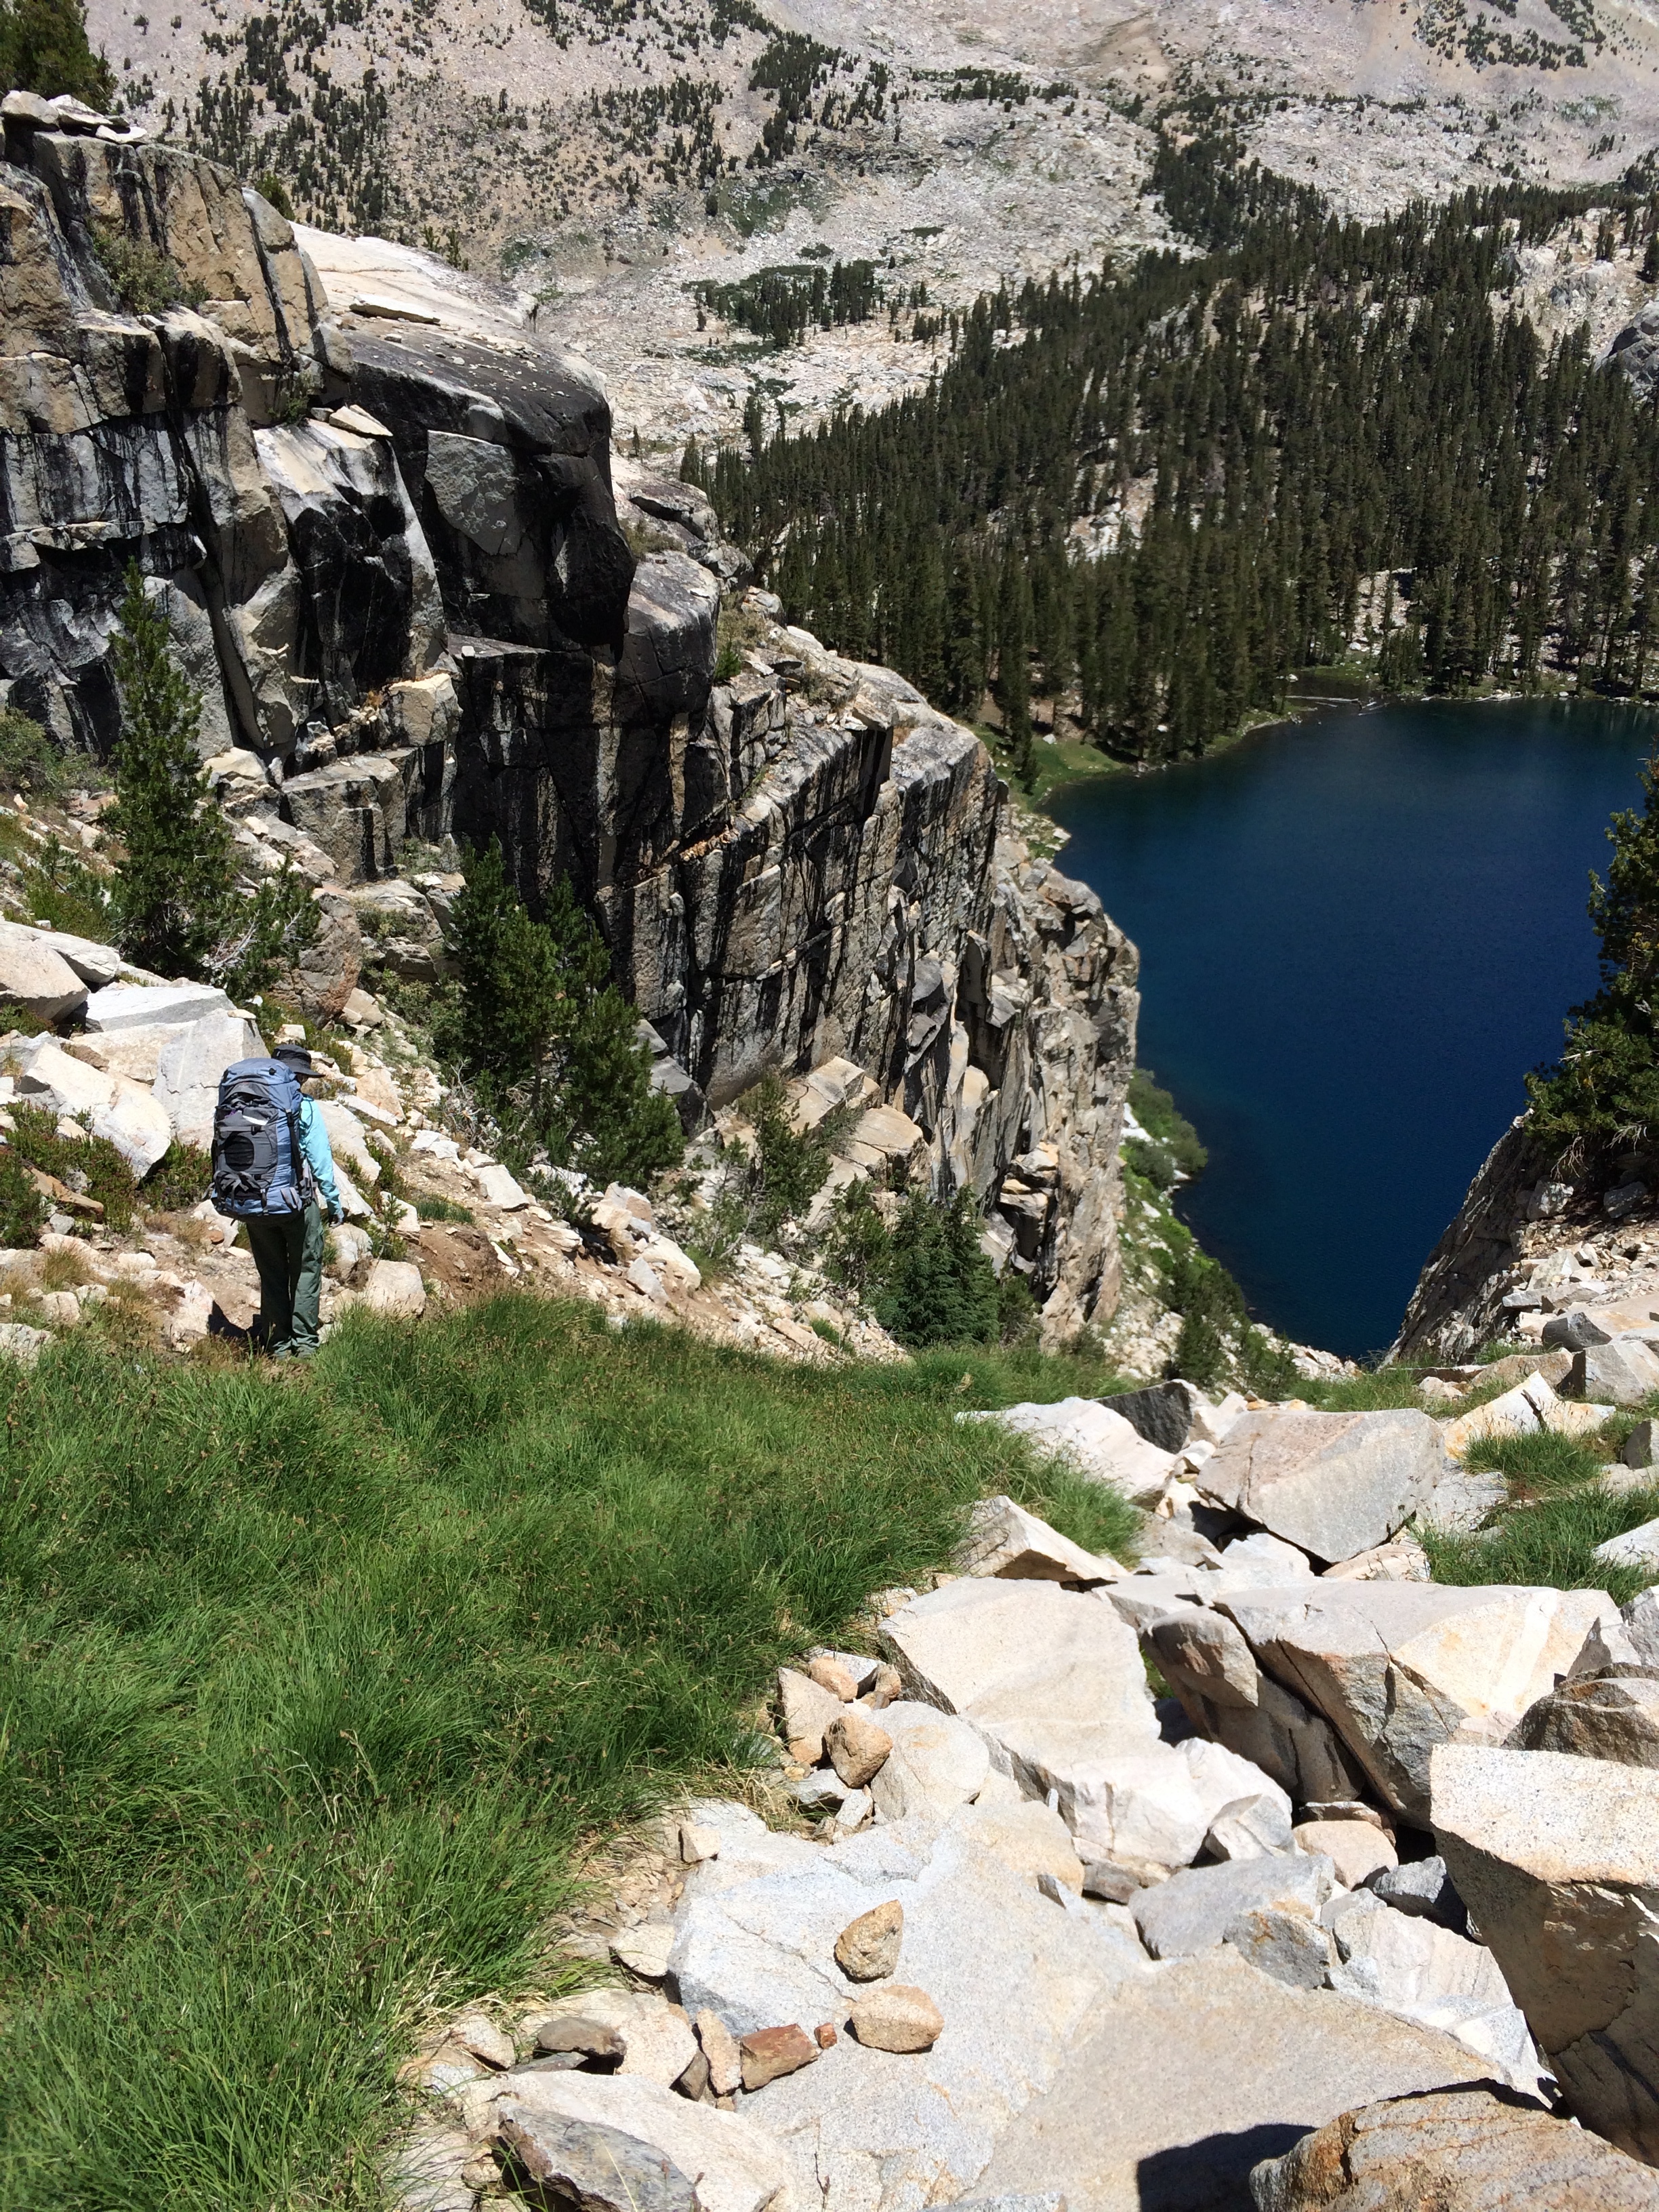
<point x="1014" y="690"/>
<point x="1602" y="1096"/>
<point x="939" y="1288"/>
<point x="549" y="1042"/>
<point x="176" y="905"/>
<point x="174" y="880"/>
<point x="600" y="1114"/>
<point x="510" y="988"/>
<point x="44" y="48"/>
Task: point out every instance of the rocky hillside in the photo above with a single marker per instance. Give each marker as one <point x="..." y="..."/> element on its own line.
<point x="1003" y="1883"/>
<point x="650" y="179"/>
<point x="388" y="541"/>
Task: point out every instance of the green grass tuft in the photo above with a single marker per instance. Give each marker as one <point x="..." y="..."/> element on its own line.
<point x="311" y="1680"/>
<point x="1556" y="1517"/>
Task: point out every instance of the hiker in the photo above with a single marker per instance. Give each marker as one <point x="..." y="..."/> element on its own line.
<point x="271" y="1165"/>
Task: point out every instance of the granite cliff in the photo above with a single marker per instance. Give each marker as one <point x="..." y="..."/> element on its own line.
<point x="422" y="609"/>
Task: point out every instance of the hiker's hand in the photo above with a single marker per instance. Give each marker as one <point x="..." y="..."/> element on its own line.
<point x="337" y="1214"/>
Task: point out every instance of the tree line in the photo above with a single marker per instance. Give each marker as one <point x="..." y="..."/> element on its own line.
<point x="1156" y="493"/>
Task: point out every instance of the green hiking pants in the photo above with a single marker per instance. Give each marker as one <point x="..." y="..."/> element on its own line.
<point x="287" y="1251"/>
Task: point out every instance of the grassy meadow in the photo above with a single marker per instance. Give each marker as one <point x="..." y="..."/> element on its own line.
<point x="315" y="1680"/>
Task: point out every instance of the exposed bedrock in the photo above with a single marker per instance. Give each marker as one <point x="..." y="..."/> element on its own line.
<point x="393" y="558"/>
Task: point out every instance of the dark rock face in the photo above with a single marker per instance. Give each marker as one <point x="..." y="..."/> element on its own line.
<point x="507" y="456"/>
<point x="392" y="564"/>
<point x="1636" y="350"/>
<point x="1163" y="1413"/>
<point x="1458" y="1301"/>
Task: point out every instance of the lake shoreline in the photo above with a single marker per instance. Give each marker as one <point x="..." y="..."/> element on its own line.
<point x="1304" y="711"/>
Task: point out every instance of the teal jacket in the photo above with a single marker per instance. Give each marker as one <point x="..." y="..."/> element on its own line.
<point x="319" y="1155"/>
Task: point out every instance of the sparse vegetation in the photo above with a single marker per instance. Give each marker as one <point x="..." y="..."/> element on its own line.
<point x="180" y="1178"/>
<point x="90" y="1165"/>
<point x="29" y="761"/>
<point x="147" y="281"/>
<point x="1171" y="1149"/>
<point x="1557" y="1516"/>
<point x="64" y="893"/>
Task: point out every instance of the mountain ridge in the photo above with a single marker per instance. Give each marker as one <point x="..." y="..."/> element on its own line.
<point x="615" y="159"/>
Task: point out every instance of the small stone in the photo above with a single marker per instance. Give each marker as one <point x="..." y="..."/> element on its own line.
<point x="487" y="2042"/>
<point x="1592" y="1718"/>
<point x="394" y="1286"/>
<point x="579" y="2035"/>
<point x="555" y="2162"/>
<point x="1354" y="1848"/>
<point x="806" y="1709"/>
<point x="1346" y="1809"/>
<point x="1422" y="1888"/>
<point x="858" y="1748"/>
<point x="1113" y="1885"/>
<point x="820" y="1795"/>
<point x="644" y="1950"/>
<point x="1622" y="1373"/>
<point x="1466" y="2149"/>
<point x="1293" y="1950"/>
<point x="771" y="2052"/>
<point x="694" y="2082"/>
<point x="825" y="2036"/>
<point x="1058" y="1891"/>
<point x="1637" y="1547"/>
<point x="868" y="1948"/>
<point x="829" y="1674"/>
<point x="720" y="2048"/>
<point x="698" y="1843"/>
<point x="896" y="2017"/>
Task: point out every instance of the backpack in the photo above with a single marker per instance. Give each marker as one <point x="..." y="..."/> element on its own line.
<point x="258" y="1166"/>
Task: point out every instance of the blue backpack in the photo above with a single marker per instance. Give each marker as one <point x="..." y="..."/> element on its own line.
<point x="258" y="1166"/>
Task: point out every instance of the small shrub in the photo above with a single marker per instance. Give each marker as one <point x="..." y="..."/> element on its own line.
<point x="15" y="1018"/>
<point x="270" y="187"/>
<point x="29" y="761"/>
<point x="858" y="1248"/>
<point x="1016" y="1309"/>
<point x="180" y="1178"/>
<point x="441" y="1209"/>
<point x="1170" y="1148"/>
<point x="64" y="893"/>
<point x="90" y="1165"/>
<point x="146" y="280"/>
<point x="1200" y="1354"/>
<point x="1265" y="1369"/>
<point x="790" y="1165"/>
<point x="23" y="1210"/>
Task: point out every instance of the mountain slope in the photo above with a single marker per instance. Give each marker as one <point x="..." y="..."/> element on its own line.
<point x="626" y="162"/>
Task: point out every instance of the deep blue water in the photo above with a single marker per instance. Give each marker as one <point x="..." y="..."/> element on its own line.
<point x="1358" y="933"/>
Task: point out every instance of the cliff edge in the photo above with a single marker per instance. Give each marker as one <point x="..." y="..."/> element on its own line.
<point x="423" y="608"/>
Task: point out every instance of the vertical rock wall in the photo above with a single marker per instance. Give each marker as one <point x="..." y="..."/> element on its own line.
<point x="390" y="553"/>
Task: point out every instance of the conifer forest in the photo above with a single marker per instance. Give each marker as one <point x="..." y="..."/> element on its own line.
<point x="1158" y="492"/>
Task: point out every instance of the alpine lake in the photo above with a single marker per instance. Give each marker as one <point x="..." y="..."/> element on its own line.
<point x="1357" y="931"/>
